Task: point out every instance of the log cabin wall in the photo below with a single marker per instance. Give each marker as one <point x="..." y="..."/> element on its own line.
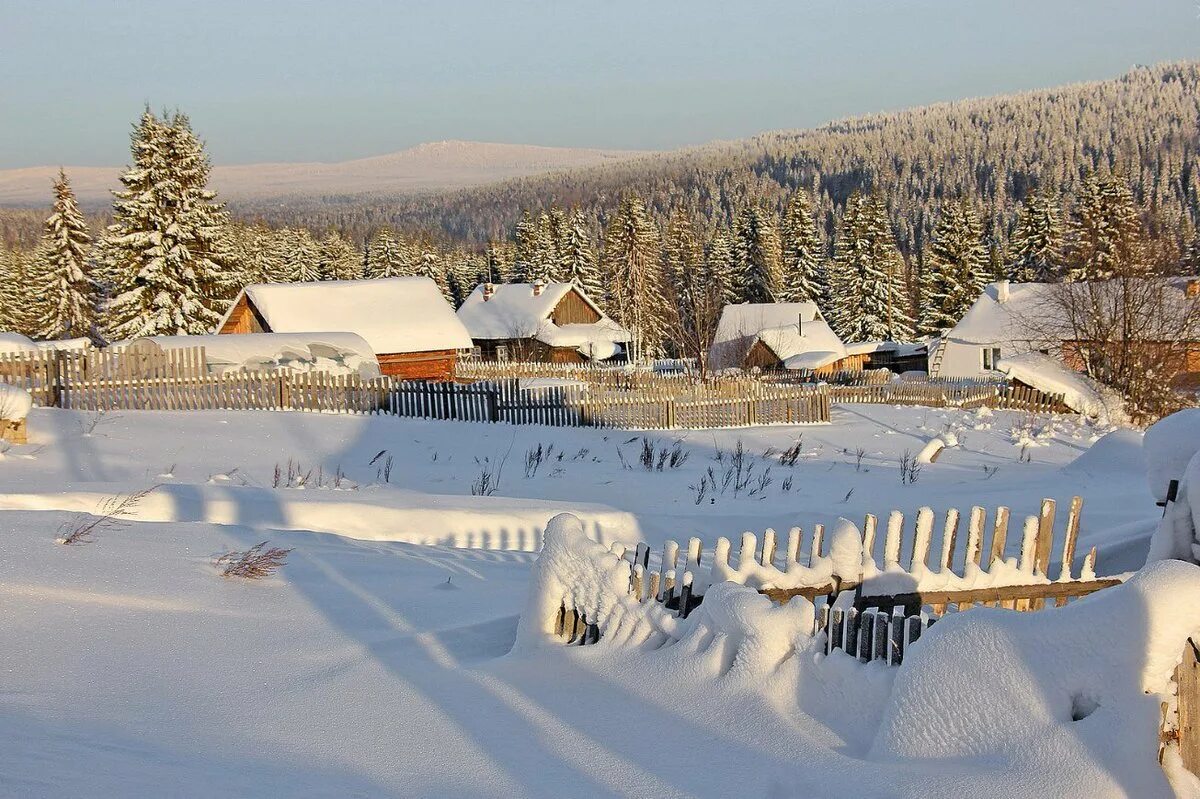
<point x="572" y="309"/>
<point x="244" y="318"/>
<point x="433" y="365"/>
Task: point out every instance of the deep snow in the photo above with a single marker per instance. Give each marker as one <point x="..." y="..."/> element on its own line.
<point x="379" y="667"/>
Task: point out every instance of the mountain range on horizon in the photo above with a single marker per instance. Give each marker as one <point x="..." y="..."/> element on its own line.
<point x="430" y="166"/>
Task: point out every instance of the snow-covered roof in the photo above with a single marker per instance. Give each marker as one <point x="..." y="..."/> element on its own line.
<point x="514" y="311"/>
<point x="740" y="325"/>
<point x="812" y="346"/>
<point x="1079" y="392"/>
<point x="393" y="315"/>
<point x="335" y="353"/>
<point x="11" y="343"/>
<point x="1009" y="313"/>
<point x="901" y="349"/>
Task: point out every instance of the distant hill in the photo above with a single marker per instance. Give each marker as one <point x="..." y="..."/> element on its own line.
<point x="426" y="167"/>
<point x="1145" y="123"/>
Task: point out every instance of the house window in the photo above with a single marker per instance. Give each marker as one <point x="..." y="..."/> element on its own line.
<point x="990" y="356"/>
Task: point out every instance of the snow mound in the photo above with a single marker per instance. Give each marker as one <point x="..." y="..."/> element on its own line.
<point x="1079" y="392"/>
<point x="15" y="343"/>
<point x="330" y="353"/>
<point x="15" y="403"/>
<point x="1117" y="452"/>
<point x="1078" y="685"/>
<point x="1169" y="444"/>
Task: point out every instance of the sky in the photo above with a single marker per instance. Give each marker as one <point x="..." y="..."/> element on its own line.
<point x="329" y="81"/>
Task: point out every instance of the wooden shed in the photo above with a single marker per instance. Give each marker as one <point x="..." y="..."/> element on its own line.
<point x="544" y="322"/>
<point x="405" y="320"/>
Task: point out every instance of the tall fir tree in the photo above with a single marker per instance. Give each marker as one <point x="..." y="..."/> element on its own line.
<point x="67" y="296"/>
<point x="528" y="246"/>
<point x="721" y="267"/>
<point x="338" y="259"/>
<point x="868" y="298"/>
<point x="165" y="256"/>
<point x="757" y="253"/>
<point x="15" y="305"/>
<point x="1037" y="240"/>
<point x="804" y="277"/>
<point x="577" y="260"/>
<point x="299" y="256"/>
<point x="630" y="262"/>
<point x="1105" y="231"/>
<point x="389" y="255"/>
<point x="955" y="268"/>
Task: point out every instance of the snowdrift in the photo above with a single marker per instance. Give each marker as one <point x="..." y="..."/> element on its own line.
<point x="1079" y="392"/>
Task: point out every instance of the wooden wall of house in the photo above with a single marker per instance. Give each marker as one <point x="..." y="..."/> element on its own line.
<point x="244" y="319"/>
<point x="762" y="356"/>
<point x="529" y="350"/>
<point x="572" y="309"/>
<point x="432" y="365"/>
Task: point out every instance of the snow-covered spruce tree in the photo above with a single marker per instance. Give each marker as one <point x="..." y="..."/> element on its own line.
<point x="1105" y="230"/>
<point x="17" y="305"/>
<point x="338" y="259"/>
<point x="694" y="298"/>
<point x="66" y="295"/>
<point x="552" y="230"/>
<point x="955" y="269"/>
<point x="804" y="276"/>
<point x="500" y="262"/>
<point x="1037" y="240"/>
<point x="389" y="255"/>
<point x="630" y="264"/>
<point x="721" y="268"/>
<point x="577" y="259"/>
<point x="868" y="301"/>
<point x="429" y="264"/>
<point x="527" y="255"/>
<point x="164" y="257"/>
<point x="299" y="255"/>
<point x="757" y="254"/>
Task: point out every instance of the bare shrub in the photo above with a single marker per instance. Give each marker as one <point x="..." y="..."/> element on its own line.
<point x="254" y="563"/>
<point x="115" y="512"/>
<point x="910" y="469"/>
<point x="792" y="454"/>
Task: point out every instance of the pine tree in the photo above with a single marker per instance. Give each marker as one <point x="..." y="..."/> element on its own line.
<point x="630" y="262"/>
<point x="527" y="250"/>
<point x="65" y="292"/>
<point x="721" y="267"/>
<point x="1105" y="231"/>
<point x="577" y="260"/>
<point x="429" y="264"/>
<point x="804" y="277"/>
<point x="1037" y="241"/>
<point x="757" y="254"/>
<point x="955" y="269"/>
<point x="164" y="256"/>
<point x="15" y="295"/>
<point x="338" y="259"/>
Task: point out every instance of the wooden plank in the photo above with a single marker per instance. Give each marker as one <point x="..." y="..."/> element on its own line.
<point x="918" y="599"/>
<point x="999" y="536"/>
<point x="1045" y="537"/>
<point x="1187" y="678"/>
<point x="891" y="544"/>
<point x="1069" y="540"/>
<point x="922" y="538"/>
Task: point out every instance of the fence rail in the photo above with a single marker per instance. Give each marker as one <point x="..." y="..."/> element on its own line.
<point x="876" y="625"/>
<point x="608" y="397"/>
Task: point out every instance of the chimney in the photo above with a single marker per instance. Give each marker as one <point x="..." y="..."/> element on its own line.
<point x="538" y="288"/>
<point x="488" y="290"/>
<point x="1192" y="289"/>
<point x="1001" y="291"/>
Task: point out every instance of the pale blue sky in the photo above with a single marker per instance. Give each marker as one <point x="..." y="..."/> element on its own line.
<point x="288" y="81"/>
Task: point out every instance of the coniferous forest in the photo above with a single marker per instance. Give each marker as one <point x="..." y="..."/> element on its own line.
<point x="891" y="222"/>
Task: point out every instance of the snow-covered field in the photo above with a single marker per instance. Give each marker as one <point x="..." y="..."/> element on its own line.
<point x="377" y="661"/>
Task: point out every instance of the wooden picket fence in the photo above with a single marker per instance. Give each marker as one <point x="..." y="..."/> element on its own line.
<point x="858" y="619"/>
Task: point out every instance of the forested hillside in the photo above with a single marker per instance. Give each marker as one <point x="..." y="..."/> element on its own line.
<point x="1145" y="124"/>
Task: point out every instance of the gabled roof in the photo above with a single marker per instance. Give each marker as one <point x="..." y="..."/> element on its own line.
<point x="740" y="325"/>
<point x="810" y="346"/>
<point x="393" y="315"/>
<point x="513" y="310"/>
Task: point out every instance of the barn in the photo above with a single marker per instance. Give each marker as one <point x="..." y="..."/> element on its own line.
<point x="405" y="320"/>
<point x="541" y="322"/>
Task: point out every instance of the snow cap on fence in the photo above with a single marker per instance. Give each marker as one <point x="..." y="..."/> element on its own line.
<point x="846" y="550"/>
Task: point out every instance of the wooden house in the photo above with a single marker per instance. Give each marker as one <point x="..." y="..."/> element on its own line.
<point x="777" y="336"/>
<point x="542" y="322"/>
<point x="406" y="321"/>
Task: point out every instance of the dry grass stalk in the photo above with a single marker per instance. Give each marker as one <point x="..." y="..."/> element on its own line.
<point x="114" y="513"/>
<point x="254" y="563"/>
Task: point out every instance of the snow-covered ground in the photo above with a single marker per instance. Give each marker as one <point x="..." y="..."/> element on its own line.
<point x="377" y="661"/>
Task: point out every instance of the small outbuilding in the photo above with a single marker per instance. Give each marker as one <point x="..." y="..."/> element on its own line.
<point x="543" y="322"/>
<point x="778" y="336"/>
<point x="407" y="323"/>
